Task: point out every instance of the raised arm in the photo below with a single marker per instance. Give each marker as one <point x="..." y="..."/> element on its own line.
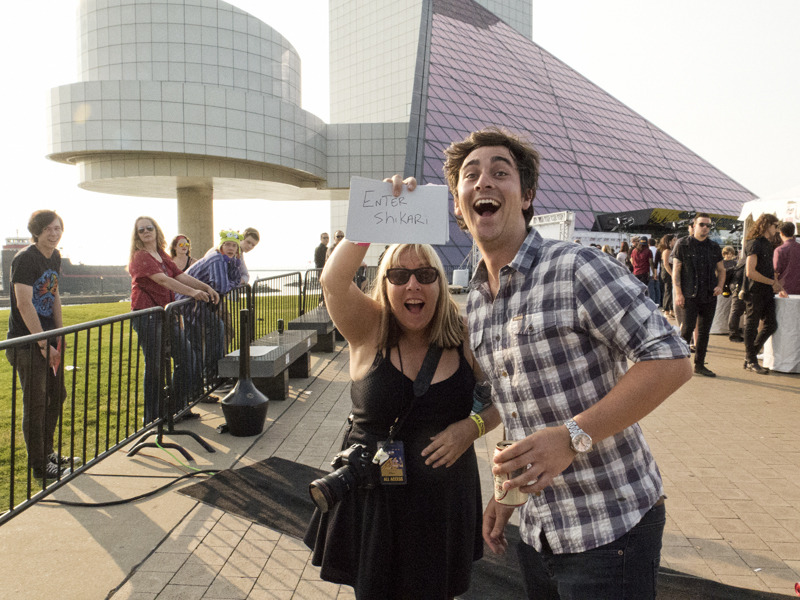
<point x="356" y="315"/>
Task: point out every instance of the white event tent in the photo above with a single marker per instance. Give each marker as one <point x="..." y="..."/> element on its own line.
<point x="785" y="205"/>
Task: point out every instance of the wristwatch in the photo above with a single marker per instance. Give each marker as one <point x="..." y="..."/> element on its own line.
<point x="581" y="441"/>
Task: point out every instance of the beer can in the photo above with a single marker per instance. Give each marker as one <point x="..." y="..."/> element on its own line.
<point x="512" y="497"/>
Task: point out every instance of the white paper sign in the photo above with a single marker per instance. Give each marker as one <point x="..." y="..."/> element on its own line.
<point x="375" y="215"/>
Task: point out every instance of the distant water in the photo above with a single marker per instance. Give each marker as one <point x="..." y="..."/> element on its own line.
<point x="256" y="273"/>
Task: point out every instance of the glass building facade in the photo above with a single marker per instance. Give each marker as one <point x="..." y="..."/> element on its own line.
<point x="598" y="156"/>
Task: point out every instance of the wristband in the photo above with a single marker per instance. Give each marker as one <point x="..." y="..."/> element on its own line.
<point x="479" y="422"/>
<point x="362" y="244"/>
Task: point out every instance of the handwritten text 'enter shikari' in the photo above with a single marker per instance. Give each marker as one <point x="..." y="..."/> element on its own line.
<point x="393" y="212"/>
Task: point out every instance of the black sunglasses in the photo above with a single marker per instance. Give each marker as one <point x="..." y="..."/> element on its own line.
<point x="146" y="228"/>
<point x="401" y="276"/>
<point x="704" y="224"/>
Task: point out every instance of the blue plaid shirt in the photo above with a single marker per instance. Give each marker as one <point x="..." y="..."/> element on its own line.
<point x="554" y="341"/>
<point x="217" y="270"/>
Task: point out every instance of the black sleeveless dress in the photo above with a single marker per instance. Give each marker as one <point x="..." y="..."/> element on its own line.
<point x="405" y="541"/>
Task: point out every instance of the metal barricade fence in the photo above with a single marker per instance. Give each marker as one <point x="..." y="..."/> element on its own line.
<point x="118" y="378"/>
<point x="232" y="304"/>
<point x="312" y="290"/>
<point x="273" y="298"/>
<point x="198" y="334"/>
<point x="87" y="405"/>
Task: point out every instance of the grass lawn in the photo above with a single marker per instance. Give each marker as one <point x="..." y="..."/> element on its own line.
<point x="100" y="393"/>
<point x="104" y="395"/>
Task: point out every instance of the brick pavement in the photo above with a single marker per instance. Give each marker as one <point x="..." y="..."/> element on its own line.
<point x="727" y="448"/>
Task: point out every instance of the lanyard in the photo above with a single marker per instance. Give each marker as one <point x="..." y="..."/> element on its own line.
<point x="421" y="385"/>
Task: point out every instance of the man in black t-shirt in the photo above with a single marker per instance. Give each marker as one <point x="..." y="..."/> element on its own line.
<point x="35" y="308"/>
<point x="760" y="290"/>
<point x="698" y="275"/>
<point x="320" y="252"/>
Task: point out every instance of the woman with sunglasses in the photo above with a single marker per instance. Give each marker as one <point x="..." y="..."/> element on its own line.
<point x="155" y="280"/>
<point x="180" y="250"/>
<point x="417" y="539"/>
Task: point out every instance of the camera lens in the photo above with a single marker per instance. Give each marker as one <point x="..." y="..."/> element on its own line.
<point x="328" y="490"/>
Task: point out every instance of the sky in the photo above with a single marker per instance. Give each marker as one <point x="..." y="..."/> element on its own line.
<point x="720" y="76"/>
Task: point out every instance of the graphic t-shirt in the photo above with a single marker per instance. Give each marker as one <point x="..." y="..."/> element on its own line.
<point x="30" y="267"/>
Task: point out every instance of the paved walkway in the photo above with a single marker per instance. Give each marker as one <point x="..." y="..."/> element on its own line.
<point x="727" y="447"/>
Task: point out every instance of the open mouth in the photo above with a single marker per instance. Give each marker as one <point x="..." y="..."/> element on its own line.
<point x="414" y="306"/>
<point x="486" y="206"/>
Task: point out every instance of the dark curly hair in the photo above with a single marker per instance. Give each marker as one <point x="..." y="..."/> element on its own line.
<point x="762" y="223"/>
<point x="525" y="156"/>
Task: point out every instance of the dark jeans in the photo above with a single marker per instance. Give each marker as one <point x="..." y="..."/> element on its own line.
<point x="735" y="318"/>
<point x="625" y="569"/>
<point x="666" y="299"/>
<point x="760" y="307"/>
<point x="208" y="334"/>
<point x="654" y="289"/>
<point x="43" y="393"/>
<point x="700" y="314"/>
<point x="147" y="329"/>
<point x="645" y="279"/>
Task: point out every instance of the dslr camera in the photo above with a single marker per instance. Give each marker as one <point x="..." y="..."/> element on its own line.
<point x="354" y="468"/>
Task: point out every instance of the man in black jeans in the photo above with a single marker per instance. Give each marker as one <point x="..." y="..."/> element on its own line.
<point x="36" y="308"/>
<point x="734" y="281"/>
<point x="698" y="276"/>
<point x="761" y="289"/>
<point x="321" y="251"/>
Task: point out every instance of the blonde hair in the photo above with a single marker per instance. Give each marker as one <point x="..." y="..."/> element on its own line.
<point x="136" y="243"/>
<point x="446" y="328"/>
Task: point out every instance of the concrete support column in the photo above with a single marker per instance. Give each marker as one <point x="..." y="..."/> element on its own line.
<point x="196" y="217"/>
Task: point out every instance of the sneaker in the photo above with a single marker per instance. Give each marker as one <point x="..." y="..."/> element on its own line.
<point x="702" y="370"/>
<point x="735" y="338"/>
<point x="755" y="368"/>
<point x="226" y="387"/>
<point x="63" y="461"/>
<point x="189" y="414"/>
<point x="51" y="471"/>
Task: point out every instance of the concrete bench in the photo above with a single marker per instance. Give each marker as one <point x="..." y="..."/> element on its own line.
<point x="271" y="371"/>
<point x="319" y="321"/>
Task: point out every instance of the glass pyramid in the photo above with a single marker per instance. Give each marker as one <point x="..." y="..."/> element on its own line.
<point x="598" y="155"/>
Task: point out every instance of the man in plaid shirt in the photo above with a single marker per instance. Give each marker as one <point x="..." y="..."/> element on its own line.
<point x="553" y="325"/>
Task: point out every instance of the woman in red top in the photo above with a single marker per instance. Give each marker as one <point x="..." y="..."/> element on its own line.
<point x="642" y="260"/>
<point x="155" y="279"/>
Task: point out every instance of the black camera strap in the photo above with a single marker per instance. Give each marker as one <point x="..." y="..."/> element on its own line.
<point x="421" y="385"/>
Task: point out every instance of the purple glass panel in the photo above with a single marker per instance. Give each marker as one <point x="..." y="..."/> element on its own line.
<point x="597" y="154"/>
